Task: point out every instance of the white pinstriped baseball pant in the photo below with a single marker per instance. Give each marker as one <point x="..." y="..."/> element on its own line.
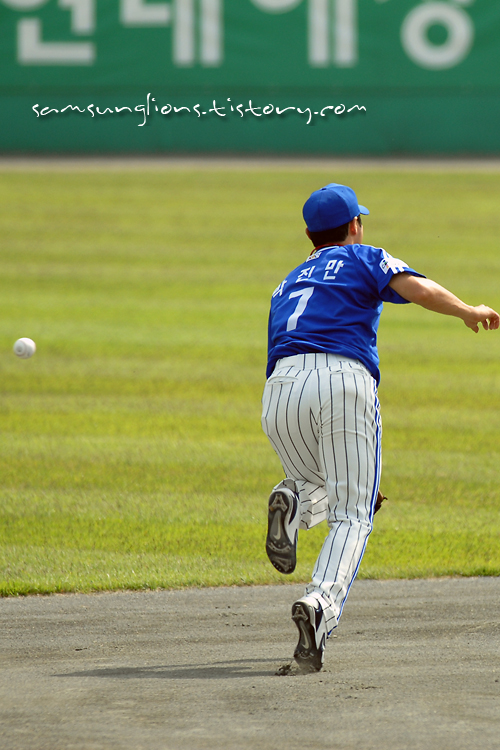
<point x="322" y="416"/>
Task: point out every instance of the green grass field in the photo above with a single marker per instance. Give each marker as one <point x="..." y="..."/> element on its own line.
<point x="132" y="454"/>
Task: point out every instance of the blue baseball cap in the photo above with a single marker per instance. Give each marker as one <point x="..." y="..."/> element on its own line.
<point x="330" y="207"/>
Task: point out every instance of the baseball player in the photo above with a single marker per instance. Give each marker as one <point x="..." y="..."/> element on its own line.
<point x="320" y="407"/>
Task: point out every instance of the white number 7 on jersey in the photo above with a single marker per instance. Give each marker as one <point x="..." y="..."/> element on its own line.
<point x="304" y="297"/>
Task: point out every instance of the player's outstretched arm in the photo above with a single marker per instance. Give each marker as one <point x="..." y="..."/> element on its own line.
<point x="432" y="296"/>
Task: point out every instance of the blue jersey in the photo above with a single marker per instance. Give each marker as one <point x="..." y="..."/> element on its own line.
<point x="332" y="303"/>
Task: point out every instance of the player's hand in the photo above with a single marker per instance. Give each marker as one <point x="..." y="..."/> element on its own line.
<point x="488" y="318"/>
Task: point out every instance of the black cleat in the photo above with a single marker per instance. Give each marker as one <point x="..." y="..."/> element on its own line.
<point x="283" y="529"/>
<point x="312" y="636"/>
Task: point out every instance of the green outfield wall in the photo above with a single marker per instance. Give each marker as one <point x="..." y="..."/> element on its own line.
<point x="285" y="76"/>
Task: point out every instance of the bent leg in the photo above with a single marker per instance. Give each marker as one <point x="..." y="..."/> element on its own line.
<point x="290" y="421"/>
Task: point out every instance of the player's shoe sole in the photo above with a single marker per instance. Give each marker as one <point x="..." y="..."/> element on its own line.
<point x="281" y="549"/>
<point x="309" y="621"/>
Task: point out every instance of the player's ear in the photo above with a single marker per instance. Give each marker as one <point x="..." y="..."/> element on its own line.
<point x="308" y="233"/>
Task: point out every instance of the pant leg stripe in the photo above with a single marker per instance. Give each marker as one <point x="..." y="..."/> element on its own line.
<point x="345" y="446"/>
<point x="316" y="567"/>
<point x="333" y="448"/>
<point x="357" y="442"/>
<point x="299" y="404"/>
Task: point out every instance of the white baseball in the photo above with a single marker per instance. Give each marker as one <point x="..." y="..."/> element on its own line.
<point x="24" y="348"/>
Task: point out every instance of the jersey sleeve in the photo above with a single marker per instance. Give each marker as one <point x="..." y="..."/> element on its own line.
<point x="383" y="267"/>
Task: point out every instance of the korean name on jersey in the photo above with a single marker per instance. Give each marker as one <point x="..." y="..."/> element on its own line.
<point x="332" y="303"/>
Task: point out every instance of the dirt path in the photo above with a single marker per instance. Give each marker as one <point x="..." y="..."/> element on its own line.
<point x="414" y="664"/>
